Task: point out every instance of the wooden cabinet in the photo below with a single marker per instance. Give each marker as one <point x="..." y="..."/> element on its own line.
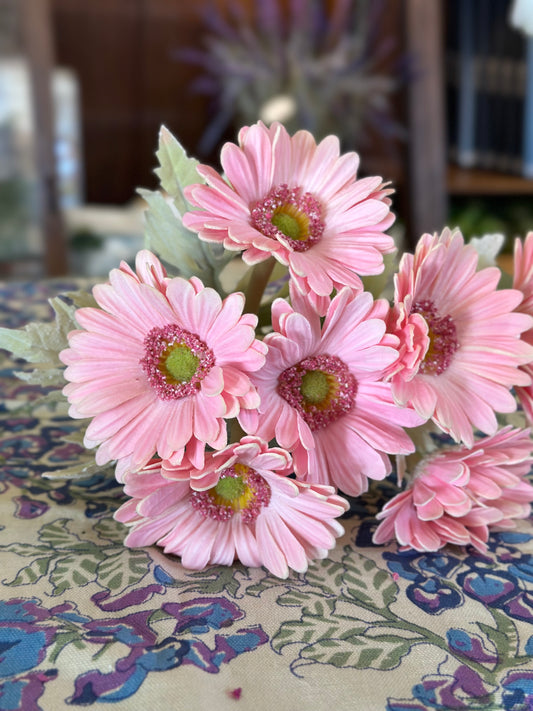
<point x="126" y="54"/>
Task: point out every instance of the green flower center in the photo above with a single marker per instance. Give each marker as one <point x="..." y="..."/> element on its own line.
<point x="294" y="226"/>
<point x="315" y="387"/>
<point x="321" y="389"/>
<point x="175" y="361"/>
<point x="239" y="490"/>
<point x="291" y="215"/>
<point x="181" y="363"/>
<point x="230" y="489"/>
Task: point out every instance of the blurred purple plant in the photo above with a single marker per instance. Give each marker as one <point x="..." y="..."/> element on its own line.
<point x="325" y="67"/>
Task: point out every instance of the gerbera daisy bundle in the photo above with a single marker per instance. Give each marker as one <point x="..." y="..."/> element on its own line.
<point x="241" y="379"/>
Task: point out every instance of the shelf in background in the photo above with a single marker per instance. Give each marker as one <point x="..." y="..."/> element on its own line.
<point x="473" y="181"/>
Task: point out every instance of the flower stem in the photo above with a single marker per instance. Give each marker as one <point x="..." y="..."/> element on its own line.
<point x="236" y="432"/>
<point x="257" y="285"/>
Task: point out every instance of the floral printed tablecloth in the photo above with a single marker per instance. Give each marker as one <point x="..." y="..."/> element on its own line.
<point x="87" y="622"/>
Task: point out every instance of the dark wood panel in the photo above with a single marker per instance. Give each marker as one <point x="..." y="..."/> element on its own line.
<point x="125" y="54"/>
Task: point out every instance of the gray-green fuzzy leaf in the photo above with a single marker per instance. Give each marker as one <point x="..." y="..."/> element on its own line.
<point x="84" y="468"/>
<point x="41" y="342"/>
<point x="180" y="248"/>
<point x="176" y="170"/>
<point x="166" y="235"/>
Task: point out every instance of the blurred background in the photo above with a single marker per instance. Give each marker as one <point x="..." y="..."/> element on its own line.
<point x="435" y="95"/>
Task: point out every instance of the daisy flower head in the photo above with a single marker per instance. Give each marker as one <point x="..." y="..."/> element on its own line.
<point x="299" y="201"/>
<point x="243" y="506"/>
<point x="523" y="281"/>
<point x="457" y="495"/>
<point x="159" y="366"/>
<point x="323" y="396"/>
<point x="459" y="367"/>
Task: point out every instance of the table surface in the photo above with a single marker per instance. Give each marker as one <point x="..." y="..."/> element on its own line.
<point x="85" y="621"/>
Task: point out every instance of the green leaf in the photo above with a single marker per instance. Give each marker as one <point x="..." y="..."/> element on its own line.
<point x="311" y="630"/>
<point x="15" y="340"/>
<point x="81" y="298"/>
<point x="85" y="468"/>
<point x="270" y="582"/>
<point x="359" y="651"/>
<point x="32" y="572"/>
<point x="73" y="571"/>
<point x="77" y="436"/>
<point x="376" y="284"/>
<point x="111" y="530"/>
<point x="504" y="636"/>
<point x="179" y="247"/>
<point x="61" y="640"/>
<point x="314" y="604"/>
<point x="166" y="235"/>
<point x="325" y="575"/>
<point x="124" y="568"/>
<point x="46" y="377"/>
<point x="57" y="536"/>
<point x="366" y="583"/>
<point x="26" y="550"/>
<point x="41" y="342"/>
<point x="176" y="170"/>
<point x="215" y="580"/>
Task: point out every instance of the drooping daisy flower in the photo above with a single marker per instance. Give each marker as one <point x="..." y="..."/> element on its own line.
<point x="299" y="201"/>
<point x="461" y="371"/>
<point x="159" y="366"/>
<point x="322" y="393"/>
<point x="523" y="281"/>
<point x="457" y="495"/>
<point x="242" y="506"/>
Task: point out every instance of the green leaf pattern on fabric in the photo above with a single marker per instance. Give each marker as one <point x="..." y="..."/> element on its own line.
<point x="71" y="561"/>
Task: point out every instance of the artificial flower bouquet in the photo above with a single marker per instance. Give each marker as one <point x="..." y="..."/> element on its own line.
<point x="239" y="417"/>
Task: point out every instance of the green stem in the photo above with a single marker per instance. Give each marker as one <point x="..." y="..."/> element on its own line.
<point x="257" y="284"/>
<point x="253" y="294"/>
<point x="393" y="621"/>
<point x="236" y="432"/>
<point x="430" y="637"/>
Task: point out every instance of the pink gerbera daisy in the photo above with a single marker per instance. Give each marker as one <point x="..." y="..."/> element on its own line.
<point x="460" y="370"/>
<point x="523" y="281"/>
<point x="242" y="506"/>
<point x="459" y="493"/>
<point x="159" y="366"/>
<point x="299" y="201"/>
<point x="323" y="396"/>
